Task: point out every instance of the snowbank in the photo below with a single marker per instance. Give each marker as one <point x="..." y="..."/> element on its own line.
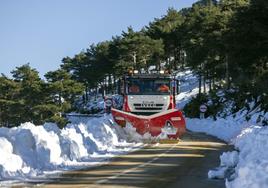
<point x="28" y="150"/>
<point x="252" y="164"/>
<point x="224" y="129"/>
<point x="248" y="165"/>
<point x="228" y="161"/>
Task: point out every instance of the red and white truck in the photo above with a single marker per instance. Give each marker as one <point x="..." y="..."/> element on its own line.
<point x="149" y="104"/>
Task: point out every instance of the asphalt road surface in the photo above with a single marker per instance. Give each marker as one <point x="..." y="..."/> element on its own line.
<point x="182" y="164"/>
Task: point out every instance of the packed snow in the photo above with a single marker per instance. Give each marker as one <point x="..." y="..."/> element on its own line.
<point x="252" y="166"/>
<point x="30" y="151"/>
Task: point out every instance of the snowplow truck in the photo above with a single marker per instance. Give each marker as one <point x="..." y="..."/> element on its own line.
<point x="149" y="105"/>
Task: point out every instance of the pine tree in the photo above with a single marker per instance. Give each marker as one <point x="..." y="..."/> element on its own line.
<point x="137" y="50"/>
<point x="30" y="92"/>
<point x="165" y="29"/>
<point x="64" y="91"/>
<point x="9" y="102"/>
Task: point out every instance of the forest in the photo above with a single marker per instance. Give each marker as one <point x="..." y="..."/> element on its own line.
<point x="224" y="42"/>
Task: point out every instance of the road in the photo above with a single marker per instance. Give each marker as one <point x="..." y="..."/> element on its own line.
<point x="181" y="164"/>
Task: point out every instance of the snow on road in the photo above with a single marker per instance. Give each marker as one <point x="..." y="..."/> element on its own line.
<point x="28" y="151"/>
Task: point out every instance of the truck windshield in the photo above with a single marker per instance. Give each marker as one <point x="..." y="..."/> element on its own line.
<point x="148" y="86"/>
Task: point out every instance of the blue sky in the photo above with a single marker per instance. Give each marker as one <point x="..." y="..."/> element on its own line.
<point x="42" y="32"/>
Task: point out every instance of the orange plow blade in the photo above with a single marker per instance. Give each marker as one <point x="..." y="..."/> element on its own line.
<point x="170" y="122"/>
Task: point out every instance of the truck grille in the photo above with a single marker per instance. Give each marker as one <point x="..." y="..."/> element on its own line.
<point x="138" y="106"/>
<point x="148" y="108"/>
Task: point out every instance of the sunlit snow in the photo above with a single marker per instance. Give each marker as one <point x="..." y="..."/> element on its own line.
<point x="28" y="150"/>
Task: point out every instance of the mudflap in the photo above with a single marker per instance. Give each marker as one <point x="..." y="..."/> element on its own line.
<point x="170" y="122"/>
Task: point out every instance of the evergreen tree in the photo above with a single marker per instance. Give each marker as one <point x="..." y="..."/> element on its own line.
<point x="30" y="92"/>
<point x="165" y="29"/>
<point x="63" y="90"/>
<point x="247" y="41"/>
<point x="137" y="50"/>
<point x="9" y="101"/>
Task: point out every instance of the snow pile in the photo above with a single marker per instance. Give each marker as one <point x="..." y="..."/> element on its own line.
<point x="228" y="161"/>
<point x="247" y="167"/>
<point x="224" y="129"/>
<point x="227" y="128"/>
<point x="10" y="163"/>
<point x="29" y="150"/>
<point x="252" y="164"/>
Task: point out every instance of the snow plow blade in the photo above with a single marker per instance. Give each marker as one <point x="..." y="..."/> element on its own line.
<point x="170" y="122"/>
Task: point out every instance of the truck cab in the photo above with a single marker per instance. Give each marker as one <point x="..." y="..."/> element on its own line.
<point x="147" y="94"/>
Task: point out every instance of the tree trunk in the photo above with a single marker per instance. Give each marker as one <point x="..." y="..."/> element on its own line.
<point x="96" y="92"/>
<point x="213" y="79"/>
<point x="104" y="87"/>
<point x="213" y="83"/>
<point x="134" y="60"/>
<point x="110" y="84"/>
<point x="159" y="65"/>
<point x="87" y="93"/>
<point x="146" y="65"/>
<point x="114" y="85"/>
<point x="60" y="102"/>
<point x="183" y="59"/>
<point x="227" y="76"/>
<point x="209" y="81"/>
<point x="168" y="63"/>
<point x="175" y="62"/>
<point x="200" y="83"/>
<point x="204" y="83"/>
